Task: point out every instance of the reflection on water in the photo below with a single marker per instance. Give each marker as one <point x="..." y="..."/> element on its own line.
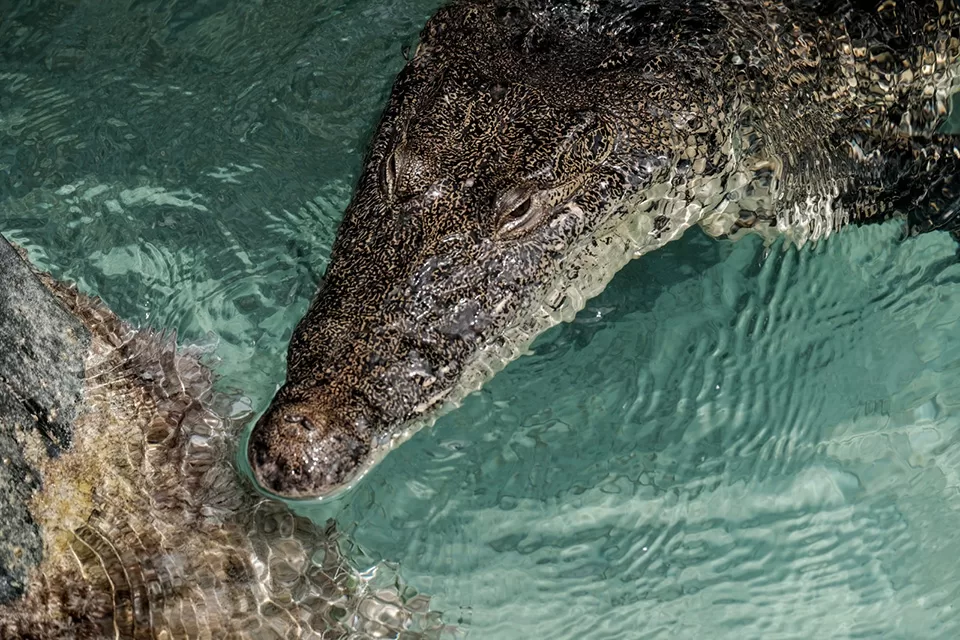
<point x="723" y="442"/>
<point x="188" y="161"/>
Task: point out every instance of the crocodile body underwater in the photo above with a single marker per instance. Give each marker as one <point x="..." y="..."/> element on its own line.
<point x="531" y="148"/>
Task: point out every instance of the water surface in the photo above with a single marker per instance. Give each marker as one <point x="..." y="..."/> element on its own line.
<point x="732" y="441"/>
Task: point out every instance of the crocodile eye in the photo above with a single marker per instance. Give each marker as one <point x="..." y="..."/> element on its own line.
<point x="388" y="174"/>
<point x="518" y="214"/>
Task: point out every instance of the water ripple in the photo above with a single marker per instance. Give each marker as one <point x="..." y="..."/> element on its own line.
<point x="763" y="451"/>
<point x="724" y="444"/>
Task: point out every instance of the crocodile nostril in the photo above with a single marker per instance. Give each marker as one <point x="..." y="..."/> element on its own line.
<point x="303" y="421"/>
<point x="301" y="450"/>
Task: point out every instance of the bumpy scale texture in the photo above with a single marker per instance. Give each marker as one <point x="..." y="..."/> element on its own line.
<point x="530" y="148"/>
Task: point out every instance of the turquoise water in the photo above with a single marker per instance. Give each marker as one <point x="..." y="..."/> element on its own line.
<point x="724" y="444"/>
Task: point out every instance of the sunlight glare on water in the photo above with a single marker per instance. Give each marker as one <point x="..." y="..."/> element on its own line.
<point x="725" y="443"/>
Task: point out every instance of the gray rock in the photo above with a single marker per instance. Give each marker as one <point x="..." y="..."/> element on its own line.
<point x="144" y="526"/>
<point x="42" y="351"/>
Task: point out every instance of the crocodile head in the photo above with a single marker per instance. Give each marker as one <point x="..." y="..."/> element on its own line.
<point x="489" y="208"/>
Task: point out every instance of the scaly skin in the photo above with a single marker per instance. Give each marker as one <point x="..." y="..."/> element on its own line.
<point x="531" y="148"/>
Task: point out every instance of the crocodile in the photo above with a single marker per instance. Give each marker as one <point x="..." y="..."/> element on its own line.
<point x="530" y="148"/>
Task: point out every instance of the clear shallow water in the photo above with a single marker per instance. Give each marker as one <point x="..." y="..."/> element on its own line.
<point x="722" y="443"/>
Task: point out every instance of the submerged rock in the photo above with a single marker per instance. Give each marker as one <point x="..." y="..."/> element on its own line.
<point x="126" y="517"/>
<point x="42" y="351"/>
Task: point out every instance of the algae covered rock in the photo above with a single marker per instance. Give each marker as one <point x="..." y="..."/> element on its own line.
<point x="127" y="517"/>
<point x="42" y="351"/>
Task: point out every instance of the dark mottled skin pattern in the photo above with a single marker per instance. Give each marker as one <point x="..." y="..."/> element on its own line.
<point x="523" y="131"/>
